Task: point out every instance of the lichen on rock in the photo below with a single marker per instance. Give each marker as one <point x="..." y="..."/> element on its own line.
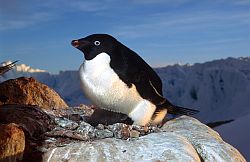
<point x="12" y="142"/>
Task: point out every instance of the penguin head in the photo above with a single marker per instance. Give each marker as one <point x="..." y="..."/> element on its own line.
<point x="95" y="44"/>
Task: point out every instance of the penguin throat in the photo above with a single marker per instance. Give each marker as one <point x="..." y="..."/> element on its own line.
<point x="98" y="64"/>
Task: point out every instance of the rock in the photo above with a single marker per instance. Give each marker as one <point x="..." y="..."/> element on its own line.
<point x="32" y="119"/>
<point x="64" y="133"/>
<point x="154" y="147"/>
<point x="134" y="134"/>
<point x="28" y="91"/>
<point x="84" y="131"/>
<point x="206" y="141"/>
<point x="57" y="138"/>
<point x="181" y="139"/>
<point x="76" y="114"/>
<point x="12" y="142"/>
<point x="103" y="133"/>
<point x="121" y="131"/>
<point x="66" y="123"/>
<point x="34" y="123"/>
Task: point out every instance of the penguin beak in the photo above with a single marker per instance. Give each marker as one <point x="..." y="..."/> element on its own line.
<point x="79" y="43"/>
<point x="75" y="43"/>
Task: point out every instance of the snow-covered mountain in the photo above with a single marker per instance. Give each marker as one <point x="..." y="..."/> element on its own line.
<point x="220" y="89"/>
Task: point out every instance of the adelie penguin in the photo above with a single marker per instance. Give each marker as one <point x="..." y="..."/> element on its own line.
<point x="117" y="79"/>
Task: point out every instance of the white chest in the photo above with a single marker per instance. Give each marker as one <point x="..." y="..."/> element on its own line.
<point x="104" y="87"/>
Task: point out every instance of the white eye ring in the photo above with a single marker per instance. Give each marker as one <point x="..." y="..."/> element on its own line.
<point x="97" y="43"/>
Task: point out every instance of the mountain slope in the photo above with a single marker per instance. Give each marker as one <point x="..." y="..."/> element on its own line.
<point x="237" y="133"/>
<point x="220" y="88"/>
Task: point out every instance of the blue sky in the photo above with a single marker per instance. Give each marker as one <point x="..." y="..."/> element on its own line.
<point x="39" y="32"/>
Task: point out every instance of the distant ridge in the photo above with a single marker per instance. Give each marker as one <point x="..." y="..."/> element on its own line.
<point x="27" y="68"/>
<point x="212" y="87"/>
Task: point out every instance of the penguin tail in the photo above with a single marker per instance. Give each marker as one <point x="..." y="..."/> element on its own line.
<point x="176" y="110"/>
<point x="167" y="107"/>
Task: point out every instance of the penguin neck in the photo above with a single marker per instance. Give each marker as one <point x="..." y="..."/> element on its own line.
<point x="98" y="64"/>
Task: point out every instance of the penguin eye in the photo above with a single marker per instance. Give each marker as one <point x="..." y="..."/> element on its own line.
<point x="97" y="43"/>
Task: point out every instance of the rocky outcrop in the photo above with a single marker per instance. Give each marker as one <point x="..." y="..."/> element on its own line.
<point x="12" y="143"/>
<point x="153" y="147"/>
<point x="32" y="119"/>
<point x="207" y="142"/>
<point x="181" y="139"/>
<point x="63" y="135"/>
<point x="30" y="92"/>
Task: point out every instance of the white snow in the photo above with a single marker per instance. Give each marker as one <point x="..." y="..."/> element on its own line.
<point x="219" y="89"/>
<point x="237" y="133"/>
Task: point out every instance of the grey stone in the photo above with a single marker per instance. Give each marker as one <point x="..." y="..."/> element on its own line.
<point x="153" y="147"/>
<point x="181" y="139"/>
<point x="205" y="140"/>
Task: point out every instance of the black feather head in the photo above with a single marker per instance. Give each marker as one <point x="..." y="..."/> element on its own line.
<point x="95" y="44"/>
